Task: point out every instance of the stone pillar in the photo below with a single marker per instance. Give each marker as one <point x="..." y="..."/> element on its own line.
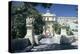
<point x="29" y="29"/>
<point x="36" y="39"/>
<point x="63" y="31"/>
<point x="43" y="30"/>
<point x="51" y="30"/>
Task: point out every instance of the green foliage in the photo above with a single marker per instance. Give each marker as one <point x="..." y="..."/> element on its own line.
<point x="69" y="32"/>
<point x="18" y="20"/>
<point x="19" y="12"/>
<point x="18" y="27"/>
<point x="75" y="30"/>
<point x="46" y="5"/>
<point x="56" y="27"/>
<point x="38" y="25"/>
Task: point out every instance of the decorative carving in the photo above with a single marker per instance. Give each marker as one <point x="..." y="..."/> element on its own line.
<point x="29" y="21"/>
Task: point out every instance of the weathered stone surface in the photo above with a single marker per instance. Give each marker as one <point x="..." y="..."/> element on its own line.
<point x="66" y="39"/>
<point x="18" y="45"/>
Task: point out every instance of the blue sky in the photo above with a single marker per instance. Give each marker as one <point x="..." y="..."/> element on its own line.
<point x="59" y="9"/>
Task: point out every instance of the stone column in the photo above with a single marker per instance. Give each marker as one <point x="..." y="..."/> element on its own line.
<point x="63" y="31"/>
<point x="29" y="29"/>
<point x="36" y="39"/>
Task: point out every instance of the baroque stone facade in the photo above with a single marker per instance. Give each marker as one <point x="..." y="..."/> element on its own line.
<point x="49" y="18"/>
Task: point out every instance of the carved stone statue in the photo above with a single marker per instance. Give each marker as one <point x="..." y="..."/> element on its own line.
<point x="29" y="21"/>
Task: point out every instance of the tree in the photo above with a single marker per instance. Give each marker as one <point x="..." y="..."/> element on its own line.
<point x="69" y="31"/>
<point x="18" y="28"/>
<point x="19" y="12"/>
<point x="56" y="27"/>
<point x="38" y="25"/>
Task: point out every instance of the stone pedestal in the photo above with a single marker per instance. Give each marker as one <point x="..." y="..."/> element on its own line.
<point x="29" y="29"/>
<point x="63" y="31"/>
<point x="36" y="39"/>
<point x="29" y="34"/>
